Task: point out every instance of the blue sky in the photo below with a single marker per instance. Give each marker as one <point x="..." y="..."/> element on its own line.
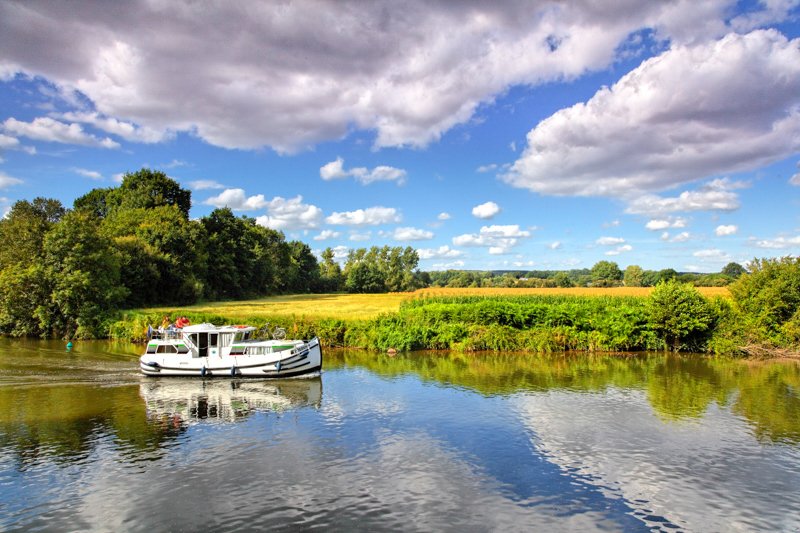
<point x="521" y="135"/>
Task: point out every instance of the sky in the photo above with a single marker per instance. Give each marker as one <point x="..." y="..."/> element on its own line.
<point x="518" y="135"/>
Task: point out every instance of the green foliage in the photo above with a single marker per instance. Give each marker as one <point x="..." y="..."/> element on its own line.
<point x="381" y="270"/>
<point x="23" y="230"/>
<point x="331" y="278"/>
<point x="84" y="274"/>
<point x="680" y="316"/>
<point x="634" y="276"/>
<point x="606" y="274"/>
<point x="733" y="270"/>
<point x="769" y="298"/>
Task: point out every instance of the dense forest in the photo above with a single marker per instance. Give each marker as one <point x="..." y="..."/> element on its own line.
<point x="64" y="272"/>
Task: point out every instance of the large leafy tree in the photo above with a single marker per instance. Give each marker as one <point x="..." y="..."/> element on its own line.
<point x="143" y="189"/>
<point x="606" y="274"/>
<point x="634" y="276"/>
<point x="23" y="230"/>
<point x="162" y="254"/>
<point x="82" y="270"/>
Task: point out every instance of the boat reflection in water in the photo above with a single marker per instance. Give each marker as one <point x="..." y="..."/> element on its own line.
<point x="180" y="402"/>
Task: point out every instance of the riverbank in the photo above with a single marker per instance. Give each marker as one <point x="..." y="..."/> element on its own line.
<point x="466" y="321"/>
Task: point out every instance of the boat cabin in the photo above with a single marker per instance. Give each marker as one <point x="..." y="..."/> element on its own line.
<point x="201" y="340"/>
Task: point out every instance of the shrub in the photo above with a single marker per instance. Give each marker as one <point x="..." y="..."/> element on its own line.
<point x="769" y="297"/>
<point x="680" y="315"/>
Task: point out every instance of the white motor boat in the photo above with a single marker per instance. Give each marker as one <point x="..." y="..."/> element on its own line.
<point x="207" y="350"/>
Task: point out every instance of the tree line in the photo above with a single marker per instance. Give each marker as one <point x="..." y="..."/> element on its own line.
<point x="64" y="272"/>
<point x="602" y="274"/>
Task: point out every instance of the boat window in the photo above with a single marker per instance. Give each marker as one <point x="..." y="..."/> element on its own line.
<point x="238" y="337"/>
<point x="182" y="348"/>
<point x="237" y="350"/>
<point x="151" y="348"/>
<point x="246" y="335"/>
<point x="225" y="339"/>
<point x="166" y="348"/>
<point x="257" y="350"/>
<point x="212" y="339"/>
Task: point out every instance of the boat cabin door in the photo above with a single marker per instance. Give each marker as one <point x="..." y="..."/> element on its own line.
<point x="201" y="341"/>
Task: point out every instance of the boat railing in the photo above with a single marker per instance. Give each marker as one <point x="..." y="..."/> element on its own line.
<point x="167" y="334"/>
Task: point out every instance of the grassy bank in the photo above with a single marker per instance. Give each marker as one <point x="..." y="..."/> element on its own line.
<point x="533" y="320"/>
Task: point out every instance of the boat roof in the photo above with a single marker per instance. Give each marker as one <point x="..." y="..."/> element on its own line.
<point x="211" y="328"/>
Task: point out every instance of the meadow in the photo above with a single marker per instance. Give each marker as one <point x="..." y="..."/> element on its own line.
<point x="367" y="306"/>
<point x="470" y="319"/>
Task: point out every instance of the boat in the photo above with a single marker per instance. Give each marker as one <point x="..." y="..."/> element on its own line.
<point x="186" y="402"/>
<point x="207" y="350"/>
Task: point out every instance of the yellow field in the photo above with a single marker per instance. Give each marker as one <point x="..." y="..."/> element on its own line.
<point x="365" y="306"/>
<point x="344" y="306"/>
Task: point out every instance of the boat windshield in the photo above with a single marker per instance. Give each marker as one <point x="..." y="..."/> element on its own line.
<point x="241" y="336"/>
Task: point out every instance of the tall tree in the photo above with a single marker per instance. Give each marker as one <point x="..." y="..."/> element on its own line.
<point x="634" y="276"/>
<point x="83" y="271"/>
<point x="23" y="230"/>
<point x="148" y="188"/>
<point x="606" y="274"/>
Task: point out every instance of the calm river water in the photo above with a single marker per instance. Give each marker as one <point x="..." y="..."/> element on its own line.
<point x="422" y="442"/>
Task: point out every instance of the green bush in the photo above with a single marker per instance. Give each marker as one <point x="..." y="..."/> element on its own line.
<point x="769" y="298"/>
<point x="680" y="316"/>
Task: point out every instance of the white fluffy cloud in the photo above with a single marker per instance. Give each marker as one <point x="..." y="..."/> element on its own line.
<point x="681" y="237"/>
<point x="610" y="241"/>
<point x="729" y="229"/>
<point x="326" y="234"/>
<point x="620" y="249"/>
<point x="718" y="195"/>
<point x="411" y="234"/>
<point x="335" y="170"/>
<point x="86" y="173"/>
<point x="443" y="216"/>
<point x="712" y="255"/>
<point x="658" y="224"/>
<point x="8" y="143"/>
<point x="778" y="243"/>
<point x="126" y="130"/>
<point x="371" y="216"/>
<point x="202" y="185"/>
<point x="50" y="130"/>
<point x="383" y="67"/>
<point x="694" y="111"/>
<point x="7" y="181"/>
<point x="486" y="210"/>
<point x="290" y="214"/>
<point x="499" y="239"/>
<point x="441" y="252"/>
<point x="237" y="200"/>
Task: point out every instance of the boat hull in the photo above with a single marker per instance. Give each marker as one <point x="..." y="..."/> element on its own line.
<point x="301" y="361"/>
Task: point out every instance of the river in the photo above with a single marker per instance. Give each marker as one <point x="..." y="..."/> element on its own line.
<point x="415" y="442"/>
